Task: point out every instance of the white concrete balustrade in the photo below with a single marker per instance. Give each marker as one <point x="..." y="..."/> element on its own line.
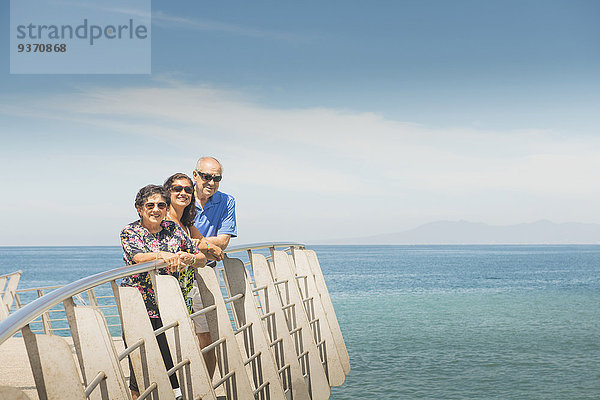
<point x="272" y="324"/>
<point x="8" y="288"/>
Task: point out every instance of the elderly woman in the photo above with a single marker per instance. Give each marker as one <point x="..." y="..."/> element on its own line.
<point x="154" y="238"/>
<point x="182" y="211"/>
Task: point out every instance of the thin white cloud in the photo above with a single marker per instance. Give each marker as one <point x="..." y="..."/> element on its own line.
<point x="141" y="12"/>
<point x="163" y="19"/>
<point x="336" y="161"/>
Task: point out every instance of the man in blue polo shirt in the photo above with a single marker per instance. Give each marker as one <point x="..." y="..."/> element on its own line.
<point x="215" y="211"/>
<point x="215" y="219"/>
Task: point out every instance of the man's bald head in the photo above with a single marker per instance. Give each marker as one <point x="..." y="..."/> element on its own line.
<point x="207" y="176"/>
<point x="206" y="163"/>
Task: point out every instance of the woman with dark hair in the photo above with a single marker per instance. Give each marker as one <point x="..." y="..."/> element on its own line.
<point x="183" y="211"/>
<point x="152" y="238"/>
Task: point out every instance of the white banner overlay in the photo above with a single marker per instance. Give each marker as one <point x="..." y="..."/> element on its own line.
<point x="80" y="37"/>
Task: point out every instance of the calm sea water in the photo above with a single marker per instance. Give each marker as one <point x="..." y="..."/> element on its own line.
<point x="433" y="322"/>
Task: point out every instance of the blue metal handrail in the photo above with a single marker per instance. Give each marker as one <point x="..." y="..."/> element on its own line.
<point x="14" y="322"/>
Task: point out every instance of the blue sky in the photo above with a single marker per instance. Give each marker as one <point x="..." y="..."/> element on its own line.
<point x="333" y="119"/>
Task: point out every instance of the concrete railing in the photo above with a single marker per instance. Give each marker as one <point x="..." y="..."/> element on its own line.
<point x="273" y="328"/>
<point x="8" y="288"/>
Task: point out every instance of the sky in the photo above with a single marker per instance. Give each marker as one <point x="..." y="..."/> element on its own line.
<point x="332" y="119"/>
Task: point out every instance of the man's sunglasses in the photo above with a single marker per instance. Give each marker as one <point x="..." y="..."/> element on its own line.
<point x="179" y="188"/>
<point x="150" y="206"/>
<point x="209" y="177"/>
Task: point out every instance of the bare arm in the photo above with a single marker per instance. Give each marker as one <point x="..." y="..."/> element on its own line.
<point x="212" y="250"/>
<point x="191" y="260"/>
<point x="222" y="241"/>
<point x="195" y="233"/>
<point x="171" y="259"/>
<point x="145" y="257"/>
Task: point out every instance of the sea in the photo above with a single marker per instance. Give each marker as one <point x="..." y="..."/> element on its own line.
<point x="432" y="322"/>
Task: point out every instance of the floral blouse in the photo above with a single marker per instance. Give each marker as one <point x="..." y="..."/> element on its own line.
<point x="136" y="239"/>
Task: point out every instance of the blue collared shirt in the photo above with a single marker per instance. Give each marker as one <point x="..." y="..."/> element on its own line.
<point x="217" y="217"/>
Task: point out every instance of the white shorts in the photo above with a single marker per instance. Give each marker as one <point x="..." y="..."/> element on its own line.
<point x="200" y="323"/>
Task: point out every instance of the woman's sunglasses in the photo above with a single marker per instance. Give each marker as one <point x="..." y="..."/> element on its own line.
<point x="150" y="206"/>
<point x="179" y="188"/>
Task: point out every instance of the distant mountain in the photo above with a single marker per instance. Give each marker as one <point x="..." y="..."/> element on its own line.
<point x="464" y="232"/>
